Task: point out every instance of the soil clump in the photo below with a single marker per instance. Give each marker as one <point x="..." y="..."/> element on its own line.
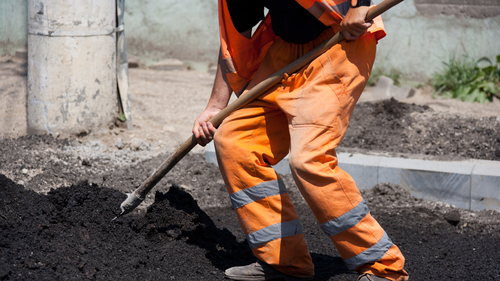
<point x="58" y="195"/>
<point x="68" y="234"/>
<point x="411" y="130"/>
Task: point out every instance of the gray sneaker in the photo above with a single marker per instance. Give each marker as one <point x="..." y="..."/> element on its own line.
<point x="370" y="277"/>
<point x="259" y="271"/>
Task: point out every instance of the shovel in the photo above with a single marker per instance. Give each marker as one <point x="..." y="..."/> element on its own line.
<point x="135" y="198"/>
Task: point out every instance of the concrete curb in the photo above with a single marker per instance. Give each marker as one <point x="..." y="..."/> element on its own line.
<point x="471" y="184"/>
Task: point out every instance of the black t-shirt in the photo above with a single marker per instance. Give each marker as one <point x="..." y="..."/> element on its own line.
<point x="291" y="22"/>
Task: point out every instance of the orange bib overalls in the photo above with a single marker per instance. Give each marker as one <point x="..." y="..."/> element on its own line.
<point x="305" y="116"/>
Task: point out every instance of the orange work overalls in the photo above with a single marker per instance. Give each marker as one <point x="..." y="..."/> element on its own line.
<point x="305" y="116"/>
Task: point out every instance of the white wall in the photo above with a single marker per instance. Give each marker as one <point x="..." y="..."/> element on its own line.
<point x="156" y="29"/>
<point x="417" y="45"/>
<point x="186" y="29"/>
<point x="13" y="25"/>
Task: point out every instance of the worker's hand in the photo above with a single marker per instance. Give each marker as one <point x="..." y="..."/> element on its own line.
<point x="353" y="25"/>
<point x="203" y="130"/>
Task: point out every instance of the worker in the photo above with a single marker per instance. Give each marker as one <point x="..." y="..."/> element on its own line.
<point x="306" y="116"/>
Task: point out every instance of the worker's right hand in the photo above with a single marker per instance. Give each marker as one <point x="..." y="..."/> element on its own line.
<point x="203" y="130"/>
<point x="353" y="25"/>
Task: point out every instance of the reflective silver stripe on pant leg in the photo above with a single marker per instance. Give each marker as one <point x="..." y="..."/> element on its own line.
<point x="273" y="232"/>
<point x="258" y="192"/>
<point x="346" y="221"/>
<point x="372" y="254"/>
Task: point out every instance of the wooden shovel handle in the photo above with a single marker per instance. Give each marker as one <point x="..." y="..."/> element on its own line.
<point x="295" y="66"/>
<point x="381" y="8"/>
<point x="256" y="91"/>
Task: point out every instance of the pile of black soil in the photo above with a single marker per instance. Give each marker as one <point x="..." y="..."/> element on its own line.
<point x="68" y="234"/>
<point x="438" y="249"/>
<point x="395" y="127"/>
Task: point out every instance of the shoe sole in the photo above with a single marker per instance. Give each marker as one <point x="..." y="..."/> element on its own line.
<point x="260" y="278"/>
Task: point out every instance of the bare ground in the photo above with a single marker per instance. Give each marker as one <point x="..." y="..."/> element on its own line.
<point x="57" y="195"/>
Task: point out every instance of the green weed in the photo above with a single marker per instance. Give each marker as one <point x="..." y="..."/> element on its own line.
<point x="122" y="117"/>
<point x="466" y="80"/>
<point x="394" y="74"/>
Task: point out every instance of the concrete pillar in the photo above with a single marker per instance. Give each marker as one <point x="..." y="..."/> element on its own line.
<point x="71" y="65"/>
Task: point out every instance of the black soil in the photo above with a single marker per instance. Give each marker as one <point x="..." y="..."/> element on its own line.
<point x="68" y="234"/>
<point x="390" y="126"/>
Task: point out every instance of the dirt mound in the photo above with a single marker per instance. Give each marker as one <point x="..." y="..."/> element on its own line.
<point x="395" y="127"/>
<point x="384" y="196"/>
<point x="68" y="234"/>
<point x="389" y="195"/>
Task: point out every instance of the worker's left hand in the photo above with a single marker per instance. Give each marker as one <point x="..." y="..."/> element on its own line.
<point x="353" y="25"/>
<point x="203" y="130"/>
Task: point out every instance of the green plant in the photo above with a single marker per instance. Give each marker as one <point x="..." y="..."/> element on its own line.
<point x="122" y="117"/>
<point x="466" y="80"/>
<point x="394" y="74"/>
